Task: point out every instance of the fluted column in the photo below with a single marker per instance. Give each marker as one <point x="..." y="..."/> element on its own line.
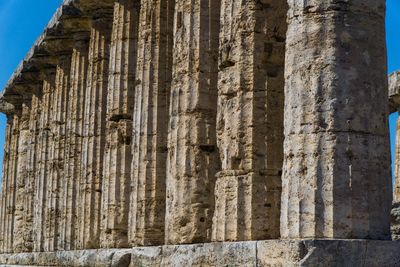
<point x="193" y="157"/>
<point x="73" y="146"/>
<point x="336" y="174"/>
<point x="56" y="175"/>
<point x="396" y="191"/>
<point x="22" y="235"/>
<point x="4" y="189"/>
<point x="154" y="71"/>
<point x="31" y="181"/>
<point x="94" y="138"/>
<point x="9" y="183"/>
<point x="43" y="167"/>
<point x="250" y="120"/>
<point x="118" y="154"/>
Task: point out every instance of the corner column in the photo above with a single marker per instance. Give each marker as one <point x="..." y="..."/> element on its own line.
<point x="336" y="174"/>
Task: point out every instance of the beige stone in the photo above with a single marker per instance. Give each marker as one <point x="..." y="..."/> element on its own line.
<point x="192" y="153"/>
<point x="165" y="125"/>
<point x="250" y="120"/>
<point x="118" y="154"/>
<point x="336" y="172"/>
<point x="150" y="123"/>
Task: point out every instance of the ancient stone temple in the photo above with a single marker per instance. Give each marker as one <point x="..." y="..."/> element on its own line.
<point x="202" y="133"/>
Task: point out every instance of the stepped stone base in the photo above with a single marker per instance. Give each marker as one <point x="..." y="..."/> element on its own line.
<point x="254" y="253"/>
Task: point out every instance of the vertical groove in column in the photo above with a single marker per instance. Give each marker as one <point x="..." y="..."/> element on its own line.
<point x="21" y="233"/>
<point x="193" y="157"/>
<point x="118" y="156"/>
<point x="250" y="120"/>
<point x="5" y="187"/>
<point x="73" y="147"/>
<point x="336" y="175"/>
<point x="42" y="169"/>
<point x="154" y="74"/>
<point x="94" y="126"/>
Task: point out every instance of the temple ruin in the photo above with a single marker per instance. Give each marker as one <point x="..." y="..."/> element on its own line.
<point x="202" y="133"/>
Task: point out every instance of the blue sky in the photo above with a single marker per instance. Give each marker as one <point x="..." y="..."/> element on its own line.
<point x="22" y="21"/>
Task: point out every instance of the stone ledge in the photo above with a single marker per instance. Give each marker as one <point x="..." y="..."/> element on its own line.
<point x="369" y="253"/>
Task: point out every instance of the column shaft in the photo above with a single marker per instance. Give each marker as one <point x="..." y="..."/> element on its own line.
<point x="73" y="147"/>
<point x="336" y="178"/>
<point x="154" y="71"/>
<point x="21" y="233"/>
<point x="43" y="168"/>
<point x="193" y="157"/>
<point x="118" y="154"/>
<point x="94" y="127"/>
<point x="250" y="120"/>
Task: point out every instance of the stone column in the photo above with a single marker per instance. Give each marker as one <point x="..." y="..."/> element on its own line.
<point x="192" y="150"/>
<point x="396" y="191"/>
<point x="336" y="174"/>
<point x="94" y="138"/>
<point x="43" y="167"/>
<point x="118" y="155"/>
<point x="250" y="120"/>
<point x="73" y="147"/>
<point x="55" y="189"/>
<point x="9" y="183"/>
<point x="21" y="233"/>
<point x="150" y="133"/>
<point x="30" y="204"/>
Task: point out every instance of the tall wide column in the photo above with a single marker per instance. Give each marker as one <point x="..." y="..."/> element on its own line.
<point x="9" y="183"/>
<point x="94" y="138"/>
<point x="43" y="168"/>
<point x="192" y="150"/>
<point x="336" y="175"/>
<point x="118" y="154"/>
<point x="73" y="146"/>
<point x="22" y="235"/>
<point x="150" y="133"/>
<point x="250" y="120"/>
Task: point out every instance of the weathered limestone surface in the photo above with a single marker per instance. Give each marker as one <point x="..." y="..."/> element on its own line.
<point x="150" y="122"/>
<point x="336" y="173"/>
<point x="76" y="92"/>
<point x="21" y="232"/>
<point x="162" y="123"/>
<point x="394" y="91"/>
<point x="250" y="120"/>
<point x="93" y="133"/>
<point x="192" y="152"/>
<point x="252" y="253"/>
<point x="118" y="155"/>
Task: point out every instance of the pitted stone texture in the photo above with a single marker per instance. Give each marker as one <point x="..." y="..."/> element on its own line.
<point x="94" y="105"/>
<point x="394" y="91"/>
<point x="395" y="221"/>
<point x="396" y="189"/>
<point x="80" y="258"/>
<point x="250" y="120"/>
<point x="73" y="147"/>
<point x="192" y="152"/>
<point x="324" y="253"/>
<point x="336" y="174"/>
<point x="150" y="122"/>
<point x="116" y="187"/>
